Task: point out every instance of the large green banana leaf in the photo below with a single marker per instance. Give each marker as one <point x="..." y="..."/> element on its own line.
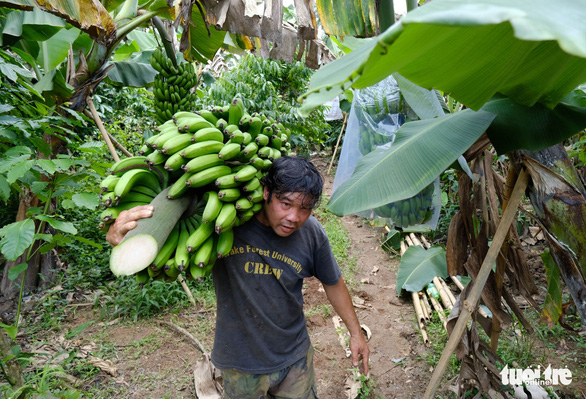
<point x="421" y="151"/>
<point x="419" y="266"/>
<point x="203" y="47"/>
<point x="532" y="52"/>
<point x="519" y="127"/>
<point x="348" y="17"/>
<point x="88" y="15"/>
<point x="35" y="25"/>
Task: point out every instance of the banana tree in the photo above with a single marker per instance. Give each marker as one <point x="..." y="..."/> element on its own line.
<point x="516" y="67"/>
<point x="73" y="45"/>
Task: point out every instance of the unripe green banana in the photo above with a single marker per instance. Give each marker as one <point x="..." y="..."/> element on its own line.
<point x="243" y="204"/>
<point x="227" y="181"/>
<point x="197" y="273"/>
<point x="257" y="207"/>
<point x="257" y="162"/>
<point x="255" y="126"/>
<point x="221" y="124"/>
<point x="108" y="198"/>
<point x="247" y="138"/>
<point x="208" y="116"/>
<point x="250" y="150"/>
<point x="156" y="158"/>
<point x="229" y="194"/>
<point x="235" y="111"/>
<point x="229" y="151"/>
<point x="236" y="137"/>
<point x="180" y="186"/>
<point x="204" y="252"/>
<point x="126" y="164"/>
<point x="251" y="185"/>
<point x="175" y="162"/>
<point x="265" y="152"/>
<point x="245" y="216"/>
<point x="167" y="249"/>
<point x="198" y="237"/>
<point x="181" y="252"/>
<point x="208" y="133"/>
<point x="221" y="112"/>
<point x="171" y="271"/>
<point x="133" y="196"/>
<point x="247" y="173"/>
<point x="109" y="183"/>
<point x="257" y="195"/>
<point x="224" y="243"/>
<point x="135" y="177"/>
<point x="228" y="130"/>
<point x="194" y="125"/>
<point x="202" y="148"/>
<point x="161" y="139"/>
<point x="176" y="144"/>
<point x="262" y="140"/>
<point x="212" y="208"/>
<point x="145" y="190"/>
<point x="226" y="218"/>
<point x="276" y="141"/>
<point x="207" y="176"/>
<point x="202" y="162"/>
<point x="142" y="277"/>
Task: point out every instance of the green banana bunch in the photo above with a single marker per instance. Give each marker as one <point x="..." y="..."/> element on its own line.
<point x="219" y="154"/>
<point x="173" y="87"/>
<point x="410" y="211"/>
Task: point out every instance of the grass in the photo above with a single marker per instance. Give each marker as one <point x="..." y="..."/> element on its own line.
<point x="340" y="242"/>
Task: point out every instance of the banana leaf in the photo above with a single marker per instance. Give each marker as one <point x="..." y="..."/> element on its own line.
<point x="421" y="151"/>
<point x="88" y="15"/>
<point x="132" y="73"/>
<point x="519" y="127"/>
<point x="348" y="18"/>
<point x="54" y="50"/>
<point x="203" y="47"/>
<point x="532" y="52"/>
<point x="35" y="25"/>
<point x="419" y="266"/>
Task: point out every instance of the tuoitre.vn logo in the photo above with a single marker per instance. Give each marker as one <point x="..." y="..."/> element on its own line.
<point x="528" y="376"/>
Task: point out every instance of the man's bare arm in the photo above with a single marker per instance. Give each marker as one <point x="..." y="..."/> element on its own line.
<point x="339" y="297"/>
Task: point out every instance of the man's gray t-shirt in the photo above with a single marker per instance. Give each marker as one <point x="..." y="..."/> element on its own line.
<point x="260" y="325"/>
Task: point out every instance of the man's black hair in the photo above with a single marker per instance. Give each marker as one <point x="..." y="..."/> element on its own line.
<point x="294" y="175"/>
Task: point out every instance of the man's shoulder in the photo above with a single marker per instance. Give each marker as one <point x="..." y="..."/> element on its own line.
<point x="313" y="226"/>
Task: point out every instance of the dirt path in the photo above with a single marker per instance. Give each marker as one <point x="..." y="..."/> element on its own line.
<point x="396" y="367"/>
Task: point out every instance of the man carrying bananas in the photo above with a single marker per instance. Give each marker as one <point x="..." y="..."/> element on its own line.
<point x="261" y="341"/>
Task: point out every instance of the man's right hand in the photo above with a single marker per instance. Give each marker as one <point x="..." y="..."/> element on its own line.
<point x="126" y="221"/>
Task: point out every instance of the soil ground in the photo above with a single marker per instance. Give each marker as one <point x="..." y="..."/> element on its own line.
<point x="147" y="359"/>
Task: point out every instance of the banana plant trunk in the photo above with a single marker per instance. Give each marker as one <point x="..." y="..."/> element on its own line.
<point x="558" y="197"/>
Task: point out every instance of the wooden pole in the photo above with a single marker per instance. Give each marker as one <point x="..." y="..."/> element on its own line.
<point x="112" y="139"/>
<point x="472" y="301"/>
<point x="443" y="294"/>
<point x="338" y="142"/>
<point x="100" y="125"/>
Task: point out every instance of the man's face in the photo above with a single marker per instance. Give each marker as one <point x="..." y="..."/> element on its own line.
<point x="285" y="213"/>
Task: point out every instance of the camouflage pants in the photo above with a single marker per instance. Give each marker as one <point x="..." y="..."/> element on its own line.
<point x="294" y="382"/>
